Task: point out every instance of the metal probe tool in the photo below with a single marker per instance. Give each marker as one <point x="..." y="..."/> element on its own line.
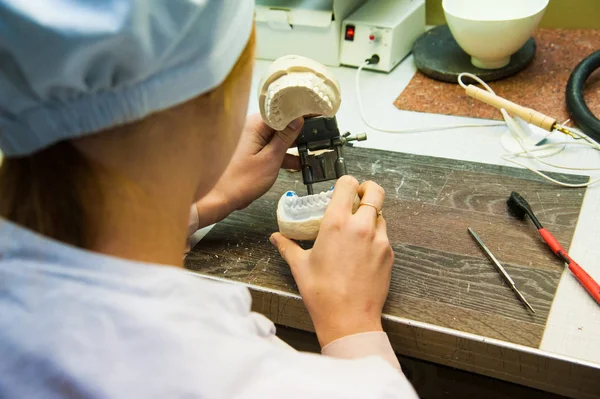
<point x="500" y="269"/>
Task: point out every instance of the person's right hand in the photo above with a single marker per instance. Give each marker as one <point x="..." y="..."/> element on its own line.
<point x="344" y="279"/>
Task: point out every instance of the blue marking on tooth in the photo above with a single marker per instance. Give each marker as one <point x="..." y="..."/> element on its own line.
<point x="331" y="189"/>
<point x="290" y="194"/>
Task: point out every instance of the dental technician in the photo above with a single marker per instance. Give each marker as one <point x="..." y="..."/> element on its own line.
<point x="115" y="116"/>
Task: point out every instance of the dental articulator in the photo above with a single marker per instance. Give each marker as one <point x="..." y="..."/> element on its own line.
<point x="296" y="86"/>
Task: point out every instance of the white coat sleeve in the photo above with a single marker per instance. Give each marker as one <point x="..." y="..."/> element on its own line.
<point x="193" y="226"/>
<point x="354" y="346"/>
<point x="296" y="375"/>
<point x="366" y="371"/>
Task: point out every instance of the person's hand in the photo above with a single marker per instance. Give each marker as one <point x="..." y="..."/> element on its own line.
<point x="255" y="165"/>
<point x="253" y="169"/>
<point x="344" y="279"/>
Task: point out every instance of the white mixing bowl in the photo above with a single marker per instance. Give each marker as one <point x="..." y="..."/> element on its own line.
<point x="490" y="31"/>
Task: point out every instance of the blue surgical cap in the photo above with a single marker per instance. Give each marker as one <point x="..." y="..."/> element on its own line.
<point x="69" y="68"/>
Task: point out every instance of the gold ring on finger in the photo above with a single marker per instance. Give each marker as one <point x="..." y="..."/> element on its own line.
<point x="379" y="212"/>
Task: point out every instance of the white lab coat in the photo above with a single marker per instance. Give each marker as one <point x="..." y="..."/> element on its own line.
<point x="78" y="324"/>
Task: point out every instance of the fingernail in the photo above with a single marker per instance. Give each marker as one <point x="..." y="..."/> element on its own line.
<point x="272" y="239"/>
<point x="295" y="124"/>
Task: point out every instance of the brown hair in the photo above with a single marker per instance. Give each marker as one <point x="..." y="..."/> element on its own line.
<point x="53" y="190"/>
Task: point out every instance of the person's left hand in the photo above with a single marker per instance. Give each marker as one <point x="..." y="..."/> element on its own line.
<point x="253" y="169"/>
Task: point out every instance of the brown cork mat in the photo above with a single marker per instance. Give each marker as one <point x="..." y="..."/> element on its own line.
<point x="540" y="86"/>
<point x="440" y="275"/>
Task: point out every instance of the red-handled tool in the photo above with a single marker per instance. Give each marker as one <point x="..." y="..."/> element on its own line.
<point x="519" y="207"/>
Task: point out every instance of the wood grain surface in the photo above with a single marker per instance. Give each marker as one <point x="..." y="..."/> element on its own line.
<point x="440" y="276"/>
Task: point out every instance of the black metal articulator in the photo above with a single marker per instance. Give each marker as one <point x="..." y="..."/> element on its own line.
<point x="322" y="133"/>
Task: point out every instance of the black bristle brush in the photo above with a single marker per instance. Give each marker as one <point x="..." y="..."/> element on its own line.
<point x="519" y="207"/>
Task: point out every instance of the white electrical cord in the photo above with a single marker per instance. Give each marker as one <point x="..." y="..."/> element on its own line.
<point x="411" y="130"/>
<point x="513" y="126"/>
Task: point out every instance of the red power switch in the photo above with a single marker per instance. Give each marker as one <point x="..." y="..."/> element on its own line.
<point x="350" y="29"/>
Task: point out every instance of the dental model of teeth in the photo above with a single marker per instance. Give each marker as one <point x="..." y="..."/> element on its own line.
<point x="295" y="86"/>
<point x="299" y="218"/>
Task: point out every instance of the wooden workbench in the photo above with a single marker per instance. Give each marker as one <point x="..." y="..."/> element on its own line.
<point x="441" y="279"/>
<point x="447" y="304"/>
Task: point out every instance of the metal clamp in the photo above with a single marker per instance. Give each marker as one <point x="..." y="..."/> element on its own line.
<point x="322" y="133"/>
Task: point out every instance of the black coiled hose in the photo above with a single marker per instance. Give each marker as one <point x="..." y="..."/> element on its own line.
<point x="578" y="109"/>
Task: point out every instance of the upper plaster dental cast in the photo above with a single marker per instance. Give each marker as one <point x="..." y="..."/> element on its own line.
<point x="295" y="86"/>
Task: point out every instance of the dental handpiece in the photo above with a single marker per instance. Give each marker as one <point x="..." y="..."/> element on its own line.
<point x="527" y="114"/>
